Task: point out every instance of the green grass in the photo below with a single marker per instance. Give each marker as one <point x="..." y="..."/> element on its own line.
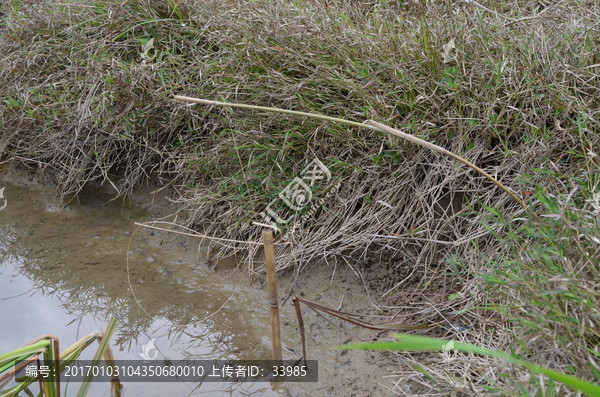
<point x="416" y="343"/>
<point x="547" y="277"/>
<point x="46" y="348"/>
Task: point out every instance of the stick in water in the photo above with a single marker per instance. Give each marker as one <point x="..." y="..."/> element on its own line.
<point x="273" y="296"/>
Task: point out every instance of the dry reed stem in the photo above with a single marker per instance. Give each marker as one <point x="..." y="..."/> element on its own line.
<point x="115" y="382"/>
<point x="273" y="294"/>
<point x="198" y="235"/>
<point x="208" y="102"/>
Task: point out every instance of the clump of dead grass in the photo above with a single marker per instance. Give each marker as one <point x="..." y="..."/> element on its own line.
<point x="512" y="87"/>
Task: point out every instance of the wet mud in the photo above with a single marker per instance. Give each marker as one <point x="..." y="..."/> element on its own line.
<point x="66" y="268"/>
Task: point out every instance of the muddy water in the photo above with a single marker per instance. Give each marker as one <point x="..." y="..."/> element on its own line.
<point x="66" y="269"/>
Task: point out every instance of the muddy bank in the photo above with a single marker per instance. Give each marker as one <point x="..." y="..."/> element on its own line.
<point x="68" y="267"/>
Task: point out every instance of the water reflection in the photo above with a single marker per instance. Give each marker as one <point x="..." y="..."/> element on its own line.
<point x="63" y="270"/>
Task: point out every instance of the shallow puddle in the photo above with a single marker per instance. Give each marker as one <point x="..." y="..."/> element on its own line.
<point x="66" y="269"/>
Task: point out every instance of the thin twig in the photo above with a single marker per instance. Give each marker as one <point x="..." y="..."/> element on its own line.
<point x="536" y="17"/>
<point x="489" y="10"/>
<point x="347" y="317"/>
<point x="201" y="235"/>
<point x="300" y="326"/>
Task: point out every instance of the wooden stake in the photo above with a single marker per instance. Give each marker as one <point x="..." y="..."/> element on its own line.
<point x="273" y="295"/>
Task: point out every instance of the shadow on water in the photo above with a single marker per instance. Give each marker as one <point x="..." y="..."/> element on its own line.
<point x="66" y="270"/>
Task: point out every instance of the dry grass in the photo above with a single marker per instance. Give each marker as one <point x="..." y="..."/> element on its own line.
<point x="86" y="96"/>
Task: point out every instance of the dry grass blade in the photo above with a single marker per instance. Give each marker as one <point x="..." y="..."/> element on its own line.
<point x="208" y="102"/>
<point x="192" y="234"/>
